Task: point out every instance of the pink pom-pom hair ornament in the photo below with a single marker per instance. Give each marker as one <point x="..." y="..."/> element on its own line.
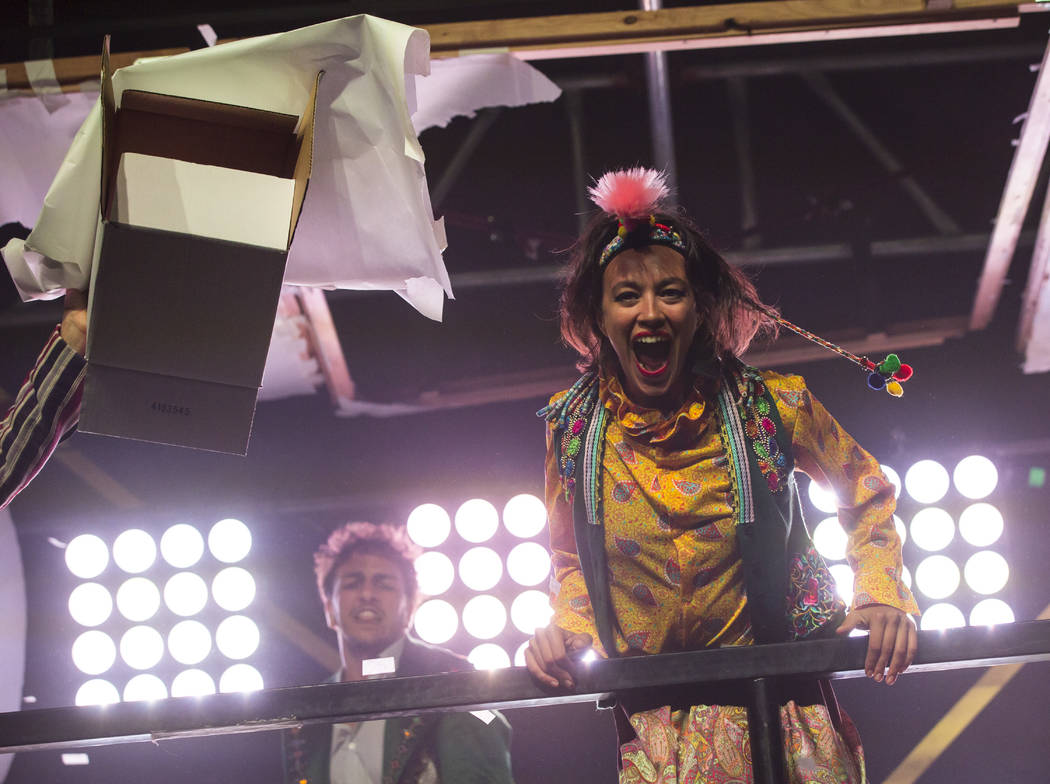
<point x="632" y="195"/>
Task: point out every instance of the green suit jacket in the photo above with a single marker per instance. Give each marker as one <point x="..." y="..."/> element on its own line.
<point x="458" y="747"/>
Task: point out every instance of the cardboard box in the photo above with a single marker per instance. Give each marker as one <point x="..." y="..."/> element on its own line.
<point x="199" y="205"/>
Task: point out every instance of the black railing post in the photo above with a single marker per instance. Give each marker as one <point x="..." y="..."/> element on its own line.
<point x="767" y="746"/>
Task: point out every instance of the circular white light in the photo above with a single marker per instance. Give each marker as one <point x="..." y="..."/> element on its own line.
<point x="428" y="525"/>
<point x="237" y="637"/>
<point x="830" y="540"/>
<point x="134" y="551"/>
<point x="141" y="647"/>
<point x="436" y="621"/>
<point x="94" y="652"/>
<point x="895" y="479"/>
<point x="233" y="588"/>
<point x="927" y="481"/>
<point x="240" y="677"/>
<point x="484" y="617"/>
<point x="192" y="683"/>
<point x="823" y="498"/>
<point x="937" y="576"/>
<point x="981" y="524"/>
<point x="989" y="612"/>
<point x="186" y="593"/>
<point x="902" y="531"/>
<point x="145" y="687"/>
<point x="531" y="610"/>
<point x="97" y="692"/>
<point x="529" y="563"/>
<point x="932" y="529"/>
<point x="138" y="599"/>
<point x="87" y="556"/>
<point x="477" y="520"/>
<point x="480" y="568"/>
<point x="843" y="582"/>
<point x="489" y="656"/>
<point x="189" y="642"/>
<point x="975" y="477"/>
<point x="90" y="604"/>
<point x="229" y="540"/>
<point x="519" y="655"/>
<point x="906" y="576"/>
<point x="942" y="616"/>
<point x="182" y="546"/>
<point x="524" y="515"/>
<point x="434" y="573"/>
<point x="986" y="572"/>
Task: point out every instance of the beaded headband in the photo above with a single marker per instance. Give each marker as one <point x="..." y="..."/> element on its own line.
<point x="633" y="195"/>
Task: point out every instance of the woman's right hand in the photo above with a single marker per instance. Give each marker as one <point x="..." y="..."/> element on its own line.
<point x="552" y="654"/>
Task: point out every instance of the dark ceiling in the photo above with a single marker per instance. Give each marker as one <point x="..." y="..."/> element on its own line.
<point x="943" y="107"/>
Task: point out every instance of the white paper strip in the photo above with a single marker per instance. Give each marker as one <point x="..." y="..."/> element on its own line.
<point x="208" y="34"/>
<point x="381" y="666"/>
<point x="44" y="81"/>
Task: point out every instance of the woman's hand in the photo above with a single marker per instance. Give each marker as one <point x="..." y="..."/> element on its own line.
<point x="551" y="654"/>
<point x="74" y="320"/>
<point x="892" y="639"/>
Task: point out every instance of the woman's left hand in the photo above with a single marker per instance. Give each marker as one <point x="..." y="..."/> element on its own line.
<point x="74" y="320"/>
<point x="892" y="639"/>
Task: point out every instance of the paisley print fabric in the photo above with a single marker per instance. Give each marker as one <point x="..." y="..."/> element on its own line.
<point x="710" y="744"/>
<point x="669" y="515"/>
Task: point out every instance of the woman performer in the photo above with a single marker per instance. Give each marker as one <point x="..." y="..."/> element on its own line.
<point x="670" y="488"/>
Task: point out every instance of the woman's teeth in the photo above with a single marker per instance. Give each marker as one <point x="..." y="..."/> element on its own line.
<point x="652" y="354"/>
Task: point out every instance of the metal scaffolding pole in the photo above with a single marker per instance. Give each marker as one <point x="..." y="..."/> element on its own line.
<point x="660" y="121"/>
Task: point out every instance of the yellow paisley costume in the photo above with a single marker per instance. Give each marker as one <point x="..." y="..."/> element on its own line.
<point x="676" y="580"/>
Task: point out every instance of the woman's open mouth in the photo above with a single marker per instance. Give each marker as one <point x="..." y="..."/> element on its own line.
<point x="652" y="353"/>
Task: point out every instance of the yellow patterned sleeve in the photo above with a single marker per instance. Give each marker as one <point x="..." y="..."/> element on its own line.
<point x="829" y="455"/>
<point x="568" y="591"/>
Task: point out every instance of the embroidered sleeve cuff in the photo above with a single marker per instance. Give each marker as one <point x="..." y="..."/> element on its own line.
<point x="882" y="589"/>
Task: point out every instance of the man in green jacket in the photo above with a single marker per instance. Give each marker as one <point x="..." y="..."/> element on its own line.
<point x="367" y="582"/>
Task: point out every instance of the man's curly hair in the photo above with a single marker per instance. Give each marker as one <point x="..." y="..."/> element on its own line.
<point x="386" y="540"/>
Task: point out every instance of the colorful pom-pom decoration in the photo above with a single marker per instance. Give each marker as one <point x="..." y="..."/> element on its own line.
<point x="632" y="195"/>
<point x="888" y="374"/>
<point x="891" y="364"/>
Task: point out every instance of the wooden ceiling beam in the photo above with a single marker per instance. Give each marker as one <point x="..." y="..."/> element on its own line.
<point x="726" y="24"/>
<point x="582" y="35"/>
<point x="1017" y="195"/>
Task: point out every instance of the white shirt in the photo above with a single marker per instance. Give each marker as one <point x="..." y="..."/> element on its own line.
<point x="357" y="748"/>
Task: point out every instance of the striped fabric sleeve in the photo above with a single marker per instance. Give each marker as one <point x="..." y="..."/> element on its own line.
<point x="568" y="589"/>
<point x="45" y="410"/>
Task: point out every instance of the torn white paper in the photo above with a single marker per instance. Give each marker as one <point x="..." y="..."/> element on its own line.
<point x="44" y="81"/>
<point x="208" y="34"/>
<point x="462" y="85"/>
<point x="367" y="222"/>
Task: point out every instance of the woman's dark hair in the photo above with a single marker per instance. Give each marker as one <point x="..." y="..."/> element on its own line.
<point x="726" y="298"/>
